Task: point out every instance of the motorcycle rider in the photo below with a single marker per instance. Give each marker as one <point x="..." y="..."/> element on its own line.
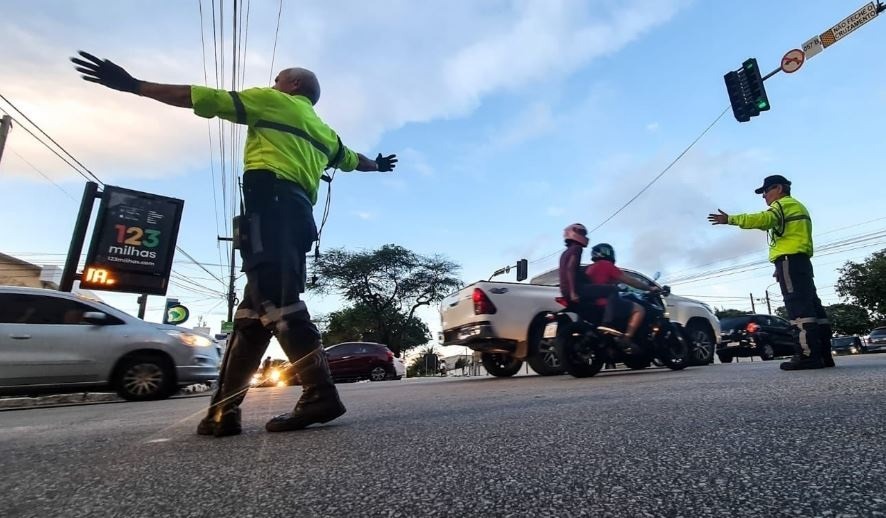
<point x="604" y="272"/>
<point x="574" y="286"/>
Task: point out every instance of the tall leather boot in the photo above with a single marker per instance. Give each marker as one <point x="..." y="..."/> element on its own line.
<point x="319" y="402"/>
<point x="805" y="359"/>
<point x="240" y="363"/>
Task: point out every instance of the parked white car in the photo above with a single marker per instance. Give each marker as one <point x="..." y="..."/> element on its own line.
<point x="51" y="339"/>
<point x="505" y="321"/>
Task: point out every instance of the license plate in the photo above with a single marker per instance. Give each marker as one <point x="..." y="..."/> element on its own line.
<point x="550" y="330"/>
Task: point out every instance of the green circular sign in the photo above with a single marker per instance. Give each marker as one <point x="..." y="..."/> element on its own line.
<point x="177" y="314"/>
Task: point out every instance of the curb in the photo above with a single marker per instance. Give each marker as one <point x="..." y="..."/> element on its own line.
<point x="88" y="398"/>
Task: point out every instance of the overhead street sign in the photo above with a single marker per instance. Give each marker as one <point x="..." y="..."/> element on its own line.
<point x="792" y="61"/>
<point x="842" y="29"/>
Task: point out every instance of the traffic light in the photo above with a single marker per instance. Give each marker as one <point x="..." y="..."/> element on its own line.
<point x="735" y="89"/>
<point x="759" y="101"/>
<point x="746" y="91"/>
<point x="522" y="270"/>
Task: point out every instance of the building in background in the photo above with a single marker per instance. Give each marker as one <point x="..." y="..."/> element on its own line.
<point x="17" y="272"/>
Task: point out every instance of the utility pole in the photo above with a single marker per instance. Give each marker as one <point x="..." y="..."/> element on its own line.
<point x="5" y="125"/>
<point x="753" y="306"/>
<point x="768" y="304"/>
<point x="232" y="294"/>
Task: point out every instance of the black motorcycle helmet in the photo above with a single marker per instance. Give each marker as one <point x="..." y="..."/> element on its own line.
<point x="603" y="251"/>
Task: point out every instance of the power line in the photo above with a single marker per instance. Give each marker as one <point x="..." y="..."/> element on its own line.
<point x="48" y="179"/>
<point x="38" y="139"/>
<point x="209" y="134"/>
<point x="664" y="171"/>
<point x="651" y="182"/>
<point x="276" y="33"/>
<point x="51" y="139"/>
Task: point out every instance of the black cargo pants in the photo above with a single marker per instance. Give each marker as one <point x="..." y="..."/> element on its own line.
<point x="275" y="233"/>
<point x="811" y="326"/>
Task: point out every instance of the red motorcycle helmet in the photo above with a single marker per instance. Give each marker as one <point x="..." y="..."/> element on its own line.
<point x="576" y="232"/>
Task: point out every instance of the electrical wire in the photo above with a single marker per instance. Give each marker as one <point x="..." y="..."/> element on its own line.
<point x="47" y="178"/>
<point x="65" y="151"/>
<point x="651" y="182"/>
<point x="276" y="34"/>
<point x="38" y="139"/>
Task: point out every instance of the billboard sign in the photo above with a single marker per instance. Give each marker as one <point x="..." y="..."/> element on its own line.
<point x="133" y="242"/>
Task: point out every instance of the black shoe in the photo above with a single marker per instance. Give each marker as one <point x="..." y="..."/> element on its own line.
<point x="313" y="409"/>
<point x="228" y="423"/>
<point x="799" y="363"/>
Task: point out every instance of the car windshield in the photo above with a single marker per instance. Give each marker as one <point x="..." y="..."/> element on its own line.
<point x="878" y="333"/>
<point x="844" y="340"/>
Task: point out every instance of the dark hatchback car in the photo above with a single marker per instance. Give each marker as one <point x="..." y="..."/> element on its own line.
<point x="876" y="341"/>
<point x="353" y="361"/>
<point x="363" y="360"/>
<point x="847" y="345"/>
<point x="766" y="336"/>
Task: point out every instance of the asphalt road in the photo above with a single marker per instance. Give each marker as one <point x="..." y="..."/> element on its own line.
<point x="724" y="440"/>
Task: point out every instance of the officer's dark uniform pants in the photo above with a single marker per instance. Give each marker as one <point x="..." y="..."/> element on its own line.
<point x="807" y="315"/>
<point x="277" y="232"/>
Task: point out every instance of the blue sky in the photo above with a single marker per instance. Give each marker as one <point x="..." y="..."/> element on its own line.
<point x="511" y="119"/>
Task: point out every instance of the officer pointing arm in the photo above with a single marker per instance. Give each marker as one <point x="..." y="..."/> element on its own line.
<point x="111" y="75"/>
<point x="789" y="229"/>
<point x="287" y="149"/>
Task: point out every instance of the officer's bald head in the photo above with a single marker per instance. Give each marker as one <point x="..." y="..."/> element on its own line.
<point x="298" y="81"/>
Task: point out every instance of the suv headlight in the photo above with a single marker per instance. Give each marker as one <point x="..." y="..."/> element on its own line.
<point x="194" y="340"/>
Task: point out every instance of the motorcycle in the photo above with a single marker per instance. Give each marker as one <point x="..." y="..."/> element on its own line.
<point x="583" y="347"/>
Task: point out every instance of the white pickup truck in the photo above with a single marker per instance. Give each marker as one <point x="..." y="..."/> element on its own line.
<point x="505" y="322"/>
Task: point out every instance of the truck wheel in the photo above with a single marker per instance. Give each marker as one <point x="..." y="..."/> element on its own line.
<point x="501" y="365"/>
<point x="544" y="360"/>
<point x="701" y="343"/>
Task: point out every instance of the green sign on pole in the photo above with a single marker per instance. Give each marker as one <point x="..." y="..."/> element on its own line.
<point x="227" y="327"/>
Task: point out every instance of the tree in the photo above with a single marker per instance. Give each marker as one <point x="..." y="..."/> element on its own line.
<point x="864" y="284"/>
<point x="358" y="323"/>
<point x="782" y="312"/>
<point x="722" y="313"/>
<point x="849" y="319"/>
<point x="389" y="281"/>
<point x="424" y="363"/>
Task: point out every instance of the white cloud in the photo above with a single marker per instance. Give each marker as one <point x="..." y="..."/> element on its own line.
<point x="556" y="211"/>
<point x="652" y="127"/>
<point x="430" y="64"/>
<point x="364" y="215"/>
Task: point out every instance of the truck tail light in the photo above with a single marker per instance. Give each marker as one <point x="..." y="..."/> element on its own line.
<point x="752" y="327"/>
<point x="482" y="304"/>
<point x="562" y="301"/>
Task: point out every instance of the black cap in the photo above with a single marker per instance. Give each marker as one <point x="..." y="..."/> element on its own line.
<point x="769" y="181"/>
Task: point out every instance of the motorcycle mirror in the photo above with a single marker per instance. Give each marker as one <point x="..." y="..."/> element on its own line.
<point x="666" y="290"/>
<point x="656" y="276"/>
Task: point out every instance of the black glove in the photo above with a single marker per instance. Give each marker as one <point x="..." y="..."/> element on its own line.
<point x="386" y="163"/>
<point x="105" y="73"/>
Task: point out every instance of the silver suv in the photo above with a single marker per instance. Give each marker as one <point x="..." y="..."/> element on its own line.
<point x="51" y="339"/>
